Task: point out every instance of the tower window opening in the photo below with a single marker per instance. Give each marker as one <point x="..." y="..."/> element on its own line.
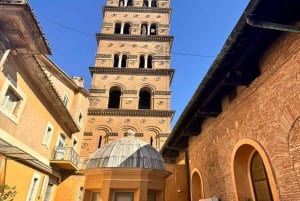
<point x="142" y="61"/>
<point x="116" y="60"/>
<point x="151" y="141"/>
<point x="153" y="3"/>
<point x="100" y="141"/>
<point x="129" y="3"/>
<point x="126" y="28"/>
<point x="118" y="28"/>
<point x="149" y="61"/>
<point x="145" y="3"/>
<point x="144" y="29"/>
<point x="121" y="3"/>
<point x="114" y="97"/>
<point x="124" y="61"/>
<point x="153" y="29"/>
<point x="144" y="99"/>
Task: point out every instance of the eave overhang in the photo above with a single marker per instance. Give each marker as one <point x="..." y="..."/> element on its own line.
<point x="19" y="25"/>
<point x="131" y="113"/>
<point x="49" y="95"/>
<point x="236" y="65"/>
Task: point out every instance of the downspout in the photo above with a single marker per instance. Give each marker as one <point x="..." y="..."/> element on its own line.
<point x="272" y="26"/>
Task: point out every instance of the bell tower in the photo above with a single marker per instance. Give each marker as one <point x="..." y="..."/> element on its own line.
<point x="131" y="78"/>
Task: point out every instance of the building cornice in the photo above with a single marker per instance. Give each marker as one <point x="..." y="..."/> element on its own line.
<point x="124" y="37"/>
<point x="136" y="9"/>
<point x="131" y="113"/>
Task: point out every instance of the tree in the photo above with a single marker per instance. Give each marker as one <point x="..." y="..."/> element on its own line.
<point x="7" y="193"/>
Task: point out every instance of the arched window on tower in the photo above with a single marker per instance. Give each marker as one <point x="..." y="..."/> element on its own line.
<point x="259" y="179"/>
<point x="118" y="28"/>
<point x="126" y="28"/>
<point x="116" y="61"/>
<point x="153" y="29"/>
<point x="114" y="97"/>
<point x="100" y="141"/>
<point x="124" y="61"/>
<point x="149" y="61"/>
<point x="142" y="61"/>
<point x="145" y="98"/>
<point x="153" y="3"/>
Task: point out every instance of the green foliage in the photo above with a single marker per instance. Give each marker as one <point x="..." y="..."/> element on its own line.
<point x="7" y="193"/>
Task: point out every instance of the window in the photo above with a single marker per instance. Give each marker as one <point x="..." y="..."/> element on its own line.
<point x="66" y="100"/>
<point x="124" y="61"/>
<point x="145" y="3"/>
<point x="117" y="28"/>
<point x="48" y="135"/>
<point x="126" y="28"/>
<point x="151" y="196"/>
<point x="121" y="3"/>
<point x="114" y="97"/>
<point x="80" y="118"/>
<point x="153" y="3"/>
<point x="144" y="99"/>
<point x="259" y="178"/>
<point x="142" y="61"/>
<point x="60" y="147"/>
<point x="144" y="29"/>
<point x="80" y="194"/>
<point x="124" y="196"/>
<point x="149" y="61"/>
<point x="12" y="100"/>
<point x="116" y="60"/>
<point x="32" y="191"/>
<point x="100" y="141"/>
<point x="129" y="3"/>
<point x="153" y="29"/>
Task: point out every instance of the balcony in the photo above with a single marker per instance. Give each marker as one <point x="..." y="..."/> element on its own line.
<point x="65" y="158"/>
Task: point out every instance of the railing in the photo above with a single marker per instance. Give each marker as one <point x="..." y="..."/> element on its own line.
<point x="66" y="154"/>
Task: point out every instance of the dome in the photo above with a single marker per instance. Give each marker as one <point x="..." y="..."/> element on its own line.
<point x="126" y="152"/>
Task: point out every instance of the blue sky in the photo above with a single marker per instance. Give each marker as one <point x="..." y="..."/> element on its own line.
<point x="200" y="28"/>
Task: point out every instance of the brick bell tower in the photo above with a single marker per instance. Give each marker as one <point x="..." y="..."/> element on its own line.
<point x="131" y="79"/>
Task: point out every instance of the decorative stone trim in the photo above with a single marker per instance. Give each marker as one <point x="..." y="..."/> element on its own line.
<point x="132" y="56"/>
<point x="130" y="71"/>
<point x="161" y="58"/>
<point x="88" y="133"/>
<point x="139" y="135"/>
<point x="113" y="134"/>
<point x="130" y="92"/>
<point x="162" y="93"/>
<point x="125" y="37"/>
<point x="101" y="91"/>
<point x="136" y="9"/>
<point x="103" y="56"/>
<point x="131" y="113"/>
<point x="164" y="135"/>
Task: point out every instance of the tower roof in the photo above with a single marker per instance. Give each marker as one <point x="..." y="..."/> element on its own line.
<point x="127" y="152"/>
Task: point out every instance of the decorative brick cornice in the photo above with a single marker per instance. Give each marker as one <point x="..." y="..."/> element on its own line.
<point x="131" y="71"/>
<point x="131" y="113"/>
<point x="161" y="58"/>
<point x="103" y="56"/>
<point x="136" y="9"/>
<point x="162" y="93"/>
<point x="130" y="92"/>
<point x="125" y="37"/>
<point x="102" y="91"/>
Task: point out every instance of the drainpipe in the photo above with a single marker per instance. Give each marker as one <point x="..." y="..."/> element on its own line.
<point x="272" y="26"/>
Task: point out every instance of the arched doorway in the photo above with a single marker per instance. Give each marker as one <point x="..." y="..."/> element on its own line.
<point x="252" y="173"/>
<point x="196" y="186"/>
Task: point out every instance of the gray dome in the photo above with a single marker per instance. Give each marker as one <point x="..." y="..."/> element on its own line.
<point x="127" y="152"/>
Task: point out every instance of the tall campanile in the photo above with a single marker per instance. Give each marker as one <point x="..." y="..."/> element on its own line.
<point x="131" y="79"/>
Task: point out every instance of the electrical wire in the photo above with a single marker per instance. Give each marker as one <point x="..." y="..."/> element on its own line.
<point x="92" y="35"/>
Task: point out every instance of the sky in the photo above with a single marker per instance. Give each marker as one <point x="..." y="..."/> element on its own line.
<point x="200" y="29"/>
